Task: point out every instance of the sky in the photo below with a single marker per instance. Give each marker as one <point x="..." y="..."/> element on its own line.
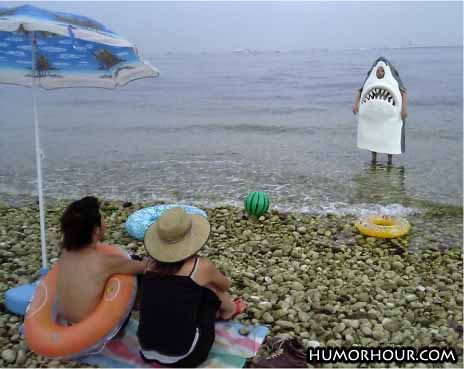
<point x="286" y="26"/>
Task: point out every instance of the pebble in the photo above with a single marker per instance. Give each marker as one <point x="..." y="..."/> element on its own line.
<point x="267" y="317"/>
<point x="410" y="298"/>
<point x="268" y="279"/>
<point x="285" y="324"/>
<point x="313" y="343"/>
<point x="265" y="305"/>
<point x="303" y="317"/>
<point x="379" y="335"/>
<point x="366" y="330"/>
<point x="390" y="324"/>
<point x="21" y="357"/>
<point x="9" y="355"/>
<point x="332" y="343"/>
<point x="351" y="323"/>
<point x="297" y="286"/>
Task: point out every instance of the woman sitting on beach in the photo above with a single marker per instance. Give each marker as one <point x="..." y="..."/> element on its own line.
<point x="182" y="294"/>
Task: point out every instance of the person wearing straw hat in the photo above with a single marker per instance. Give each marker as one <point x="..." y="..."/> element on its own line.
<point x="182" y="294"/>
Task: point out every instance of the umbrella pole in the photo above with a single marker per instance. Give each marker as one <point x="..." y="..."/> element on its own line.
<point x="38" y="156"/>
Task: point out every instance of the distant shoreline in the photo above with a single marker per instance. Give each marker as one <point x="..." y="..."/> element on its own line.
<point x="279" y="51"/>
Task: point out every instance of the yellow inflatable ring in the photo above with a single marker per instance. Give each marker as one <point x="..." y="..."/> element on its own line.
<point x="46" y="337"/>
<point x="383" y="226"/>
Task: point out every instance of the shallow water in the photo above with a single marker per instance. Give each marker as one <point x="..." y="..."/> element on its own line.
<point x="215" y="126"/>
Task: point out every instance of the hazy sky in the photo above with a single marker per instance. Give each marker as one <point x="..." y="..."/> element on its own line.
<point x="226" y="26"/>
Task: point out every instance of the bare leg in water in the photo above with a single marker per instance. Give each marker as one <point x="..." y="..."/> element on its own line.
<point x="227" y="308"/>
<point x="374" y="157"/>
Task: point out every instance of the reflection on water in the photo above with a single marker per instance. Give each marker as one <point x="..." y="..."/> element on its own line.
<point x="381" y="184"/>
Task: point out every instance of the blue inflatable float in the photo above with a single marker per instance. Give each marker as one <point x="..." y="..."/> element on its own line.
<point x="17" y="299"/>
<point x="138" y="222"/>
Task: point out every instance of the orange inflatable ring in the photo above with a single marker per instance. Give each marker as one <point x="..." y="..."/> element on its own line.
<point x="48" y="338"/>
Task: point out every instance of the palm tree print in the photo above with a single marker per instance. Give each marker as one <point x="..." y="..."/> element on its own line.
<point x="43" y="66"/>
<point x="107" y="59"/>
<point x="41" y="34"/>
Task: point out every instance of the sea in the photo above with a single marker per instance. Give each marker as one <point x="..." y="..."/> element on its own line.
<point x="215" y="126"/>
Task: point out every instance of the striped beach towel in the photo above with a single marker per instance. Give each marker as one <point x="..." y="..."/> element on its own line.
<point x="230" y="349"/>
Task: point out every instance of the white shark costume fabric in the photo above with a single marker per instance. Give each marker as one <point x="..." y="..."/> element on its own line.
<point x="380" y="128"/>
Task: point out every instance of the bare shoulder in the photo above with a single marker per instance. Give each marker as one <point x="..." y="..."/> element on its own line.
<point x="205" y="269"/>
<point x="111" y="260"/>
<point x="107" y="262"/>
<point x="205" y="264"/>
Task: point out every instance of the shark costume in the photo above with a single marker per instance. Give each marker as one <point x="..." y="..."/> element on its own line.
<point x="380" y="127"/>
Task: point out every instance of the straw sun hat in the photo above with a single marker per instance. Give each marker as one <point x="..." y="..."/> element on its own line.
<point x="176" y="235"/>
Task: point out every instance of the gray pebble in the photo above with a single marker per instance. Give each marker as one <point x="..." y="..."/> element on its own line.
<point x="9" y="355"/>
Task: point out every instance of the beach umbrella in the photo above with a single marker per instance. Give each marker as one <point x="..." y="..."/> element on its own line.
<point x="48" y="49"/>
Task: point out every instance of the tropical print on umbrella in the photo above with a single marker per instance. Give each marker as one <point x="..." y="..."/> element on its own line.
<point x="79" y="48"/>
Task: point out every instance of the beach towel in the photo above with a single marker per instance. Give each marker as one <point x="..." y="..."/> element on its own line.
<point x="230" y="348"/>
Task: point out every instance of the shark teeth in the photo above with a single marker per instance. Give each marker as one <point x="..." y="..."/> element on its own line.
<point x="378" y="93"/>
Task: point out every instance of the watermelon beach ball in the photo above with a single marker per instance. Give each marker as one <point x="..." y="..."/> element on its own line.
<point x="257" y="203"/>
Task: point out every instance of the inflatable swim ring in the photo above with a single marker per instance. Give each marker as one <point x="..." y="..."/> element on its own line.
<point x="138" y="222"/>
<point x="383" y="226"/>
<point x="46" y="337"/>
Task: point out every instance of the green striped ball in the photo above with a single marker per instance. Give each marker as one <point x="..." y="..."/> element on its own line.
<point x="257" y="203"/>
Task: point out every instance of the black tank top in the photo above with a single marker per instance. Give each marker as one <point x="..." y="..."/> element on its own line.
<point x="168" y="312"/>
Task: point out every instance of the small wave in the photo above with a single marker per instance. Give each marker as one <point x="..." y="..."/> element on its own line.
<point x="13" y="190"/>
<point x="237" y="128"/>
<point x="283" y="111"/>
<point x="255" y="98"/>
<point x="337" y="85"/>
<point x="340" y="209"/>
<point x="84" y="102"/>
<point x="456" y="138"/>
<point x="359" y="210"/>
<point x="436" y="102"/>
<point x="437" y="134"/>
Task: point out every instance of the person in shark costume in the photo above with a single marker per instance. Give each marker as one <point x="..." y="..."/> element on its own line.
<point x="381" y="105"/>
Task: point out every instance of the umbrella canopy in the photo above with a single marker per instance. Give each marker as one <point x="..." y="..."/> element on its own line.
<point x="57" y="50"/>
<point x="69" y="51"/>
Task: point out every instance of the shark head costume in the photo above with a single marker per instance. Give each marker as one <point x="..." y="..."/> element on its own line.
<point x="380" y="127"/>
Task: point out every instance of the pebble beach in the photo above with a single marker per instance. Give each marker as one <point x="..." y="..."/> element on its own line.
<point x="310" y="276"/>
